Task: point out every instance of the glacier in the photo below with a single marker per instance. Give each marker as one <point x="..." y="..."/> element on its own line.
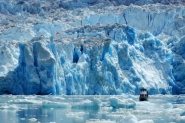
<point x="92" y="47"/>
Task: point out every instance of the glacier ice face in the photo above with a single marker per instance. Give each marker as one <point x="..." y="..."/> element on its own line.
<point x="117" y="58"/>
<point x="92" y="47"/>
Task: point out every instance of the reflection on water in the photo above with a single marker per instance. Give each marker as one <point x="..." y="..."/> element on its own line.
<point x="90" y="109"/>
<point x="58" y="115"/>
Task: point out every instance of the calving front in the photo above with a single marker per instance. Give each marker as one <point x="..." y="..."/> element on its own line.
<point x="92" y="47"/>
<point x="90" y="60"/>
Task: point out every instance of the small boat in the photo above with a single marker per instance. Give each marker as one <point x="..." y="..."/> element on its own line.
<point x="143" y="94"/>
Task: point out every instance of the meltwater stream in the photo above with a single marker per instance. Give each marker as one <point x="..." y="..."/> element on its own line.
<point x="92" y="109"/>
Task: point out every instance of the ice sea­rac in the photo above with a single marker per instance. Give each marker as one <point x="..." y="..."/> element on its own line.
<point x="92" y="109"/>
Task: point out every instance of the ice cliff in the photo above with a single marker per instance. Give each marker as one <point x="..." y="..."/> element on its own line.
<point x="92" y="46"/>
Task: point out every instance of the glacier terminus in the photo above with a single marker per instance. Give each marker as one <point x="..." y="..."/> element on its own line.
<point x="92" y="47"/>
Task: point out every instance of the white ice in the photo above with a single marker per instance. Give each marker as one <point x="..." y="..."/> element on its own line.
<point x="78" y="109"/>
<point x="92" y="47"/>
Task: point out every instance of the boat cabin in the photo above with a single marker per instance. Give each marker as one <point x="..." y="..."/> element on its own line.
<point x="143" y="94"/>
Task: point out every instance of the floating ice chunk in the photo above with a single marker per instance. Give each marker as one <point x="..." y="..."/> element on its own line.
<point x="100" y="121"/>
<point x="77" y="116"/>
<point x="125" y="103"/>
<point x="129" y="118"/>
<point x="168" y="106"/>
<point x="73" y="114"/>
<point x="24" y="101"/>
<point x="9" y="107"/>
<point x="180" y="119"/>
<point x="22" y="118"/>
<point x="146" y="105"/>
<point x="146" y="121"/>
<point x="49" y="104"/>
<point x="32" y="119"/>
<point x="95" y="104"/>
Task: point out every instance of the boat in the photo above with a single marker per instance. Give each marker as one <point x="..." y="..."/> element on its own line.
<point x="143" y="94"/>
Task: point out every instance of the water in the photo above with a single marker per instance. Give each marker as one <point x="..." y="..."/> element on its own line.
<point x="92" y="109"/>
